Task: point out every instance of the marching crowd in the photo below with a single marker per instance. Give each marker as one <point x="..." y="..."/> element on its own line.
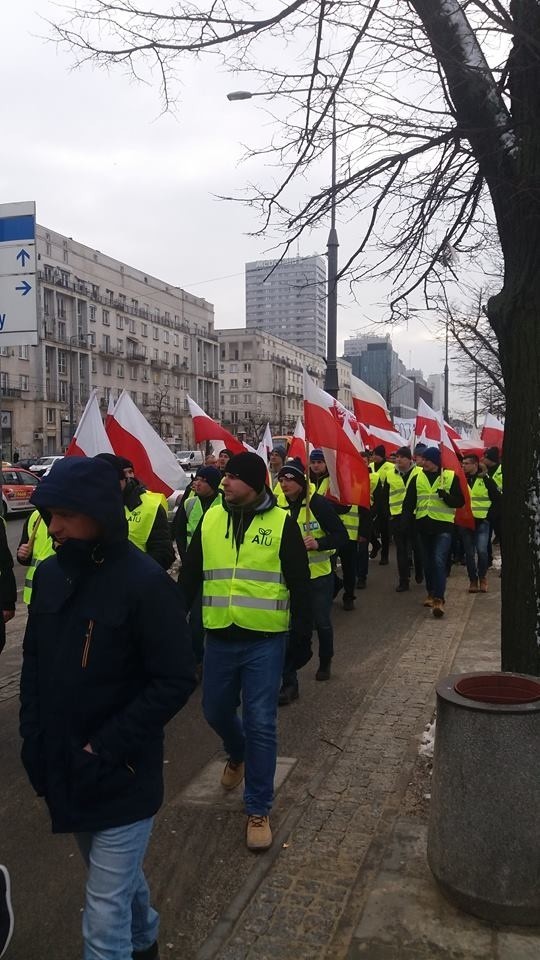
<point x="114" y="646"/>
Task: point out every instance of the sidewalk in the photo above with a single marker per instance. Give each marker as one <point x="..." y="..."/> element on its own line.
<point x="347" y="876"/>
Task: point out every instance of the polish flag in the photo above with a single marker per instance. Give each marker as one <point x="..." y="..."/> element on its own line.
<point x="335" y="431"/>
<point x="428" y="423"/>
<point x="492" y="434"/>
<point x="204" y="428"/>
<point x="298" y="443"/>
<point x="132" y="437"/>
<point x="390" y="439"/>
<point x="469" y="446"/>
<point x="90" y="437"/>
<point x="449" y="461"/>
<point x="369" y="406"/>
<point x="266" y="445"/>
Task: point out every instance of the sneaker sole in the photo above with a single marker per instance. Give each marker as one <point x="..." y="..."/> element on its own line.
<point x="5" y="874"/>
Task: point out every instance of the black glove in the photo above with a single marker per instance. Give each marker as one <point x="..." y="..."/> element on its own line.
<point x="299" y="652"/>
<point x="443" y="494"/>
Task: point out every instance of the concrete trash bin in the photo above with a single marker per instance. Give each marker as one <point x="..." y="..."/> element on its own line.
<point x="484" y="826"/>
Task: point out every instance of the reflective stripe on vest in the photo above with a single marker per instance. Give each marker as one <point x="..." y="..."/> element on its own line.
<point x="141" y="519"/>
<point x="398" y="488"/>
<point x="350" y="521"/>
<point x="41" y="549"/>
<point x="244" y="586"/>
<point x="428" y="502"/>
<point x="480" y="499"/>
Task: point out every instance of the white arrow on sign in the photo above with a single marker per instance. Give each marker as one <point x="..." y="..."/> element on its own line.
<point x="18" y="310"/>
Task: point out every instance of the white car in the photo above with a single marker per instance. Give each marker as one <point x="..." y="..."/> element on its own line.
<point x="42" y="467"/>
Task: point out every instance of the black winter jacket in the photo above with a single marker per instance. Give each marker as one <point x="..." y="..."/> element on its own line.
<point x="106" y="661"/>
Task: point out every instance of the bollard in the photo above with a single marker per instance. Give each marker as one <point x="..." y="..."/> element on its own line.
<point x="484" y="827"/>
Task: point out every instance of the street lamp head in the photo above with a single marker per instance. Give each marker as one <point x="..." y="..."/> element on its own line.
<point x="239" y="95"/>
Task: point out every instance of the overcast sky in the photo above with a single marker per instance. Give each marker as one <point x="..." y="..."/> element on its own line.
<point x="107" y="168"/>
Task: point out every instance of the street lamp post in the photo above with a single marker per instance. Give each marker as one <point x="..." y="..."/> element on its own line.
<point x="331" y="381"/>
<point x="445" y="411"/>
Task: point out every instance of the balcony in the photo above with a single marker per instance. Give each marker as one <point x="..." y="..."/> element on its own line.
<point x="138" y="356"/>
<point x="11" y="393"/>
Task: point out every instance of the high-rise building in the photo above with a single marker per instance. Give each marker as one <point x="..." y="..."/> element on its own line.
<point x="287" y="298"/>
<point x="104" y="324"/>
<point x="374" y="361"/>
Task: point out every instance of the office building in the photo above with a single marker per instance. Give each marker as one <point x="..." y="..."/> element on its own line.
<point x="374" y="360"/>
<point x="105" y="324"/>
<point x="287" y="298"/>
<point x="261" y="381"/>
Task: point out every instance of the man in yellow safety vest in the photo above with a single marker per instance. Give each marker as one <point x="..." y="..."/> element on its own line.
<point x="485" y="496"/>
<point x="404" y="537"/>
<point x="249" y="556"/>
<point x="35" y="546"/>
<point x="432" y="498"/>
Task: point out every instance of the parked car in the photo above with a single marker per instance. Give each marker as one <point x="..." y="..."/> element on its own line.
<point x="17" y="488"/>
<point x="42" y="466"/>
<point x="189" y="459"/>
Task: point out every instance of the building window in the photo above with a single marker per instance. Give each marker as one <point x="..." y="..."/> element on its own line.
<point x="233" y="368"/>
<point x="120" y="370"/>
<point x="247" y="368"/>
<point x="234" y="416"/>
<point x="119" y="345"/>
<point x="94" y="365"/>
<point x="155" y="354"/>
<point x="107" y="368"/>
<point x="62" y="390"/>
<point x="106" y="321"/>
<point x="144" y="329"/>
<point x="92" y="313"/>
<point x="247" y="381"/>
<point x="166" y="356"/>
<point x="24" y="381"/>
<point x="145" y="399"/>
<point x="60" y="305"/>
<point x="166" y="336"/>
<point x="185" y="343"/>
<point x="234" y="384"/>
<point x="106" y="343"/>
<point x="132" y="325"/>
<point x="51" y="415"/>
<point x="176" y="340"/>
<point x="95" y="291"/>
<point x="48" y="244"/>
<point x="24" y="352"/>
<point x="132" y="373"/>
<point x="62" y="361"/>
<point x="109" y="294"/>
<point x="155" y="333"/>
<point x="61" y="330"/>
<point x="119" y="321"/>
<point x="133" y="395"/>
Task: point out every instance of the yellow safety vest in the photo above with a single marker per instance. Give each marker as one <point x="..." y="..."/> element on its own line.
<point x="141" y="519"/>
<point x="398" y="487"/>
<point x="42" y="548"/>
<point x="350" y="521"/>
<point x="428" y="502"/>
<point x="245" y="585"/>
<point x="194" y="513"/>
<point x="323" y="487"/>
<point x="319" y="560"/>
<point x="498" y="477"/>
<point x="480" y="499"/>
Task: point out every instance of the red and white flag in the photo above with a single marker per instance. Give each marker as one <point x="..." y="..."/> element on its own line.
<point x="132" y="437"/>
<point x="369" y="405"/>
<point x="298" y="443"/>
<point x="110" y="409"/>
<point x="330" y="427"/>
<point x="390" y="439"/>
<point x="204" y="428"/>
<point x="492" y="434"/>
<point x="90" y="437"/>
<point x="428" y="423"/>
<point x="266" y="445"/>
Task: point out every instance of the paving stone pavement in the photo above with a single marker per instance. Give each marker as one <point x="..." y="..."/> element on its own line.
<point x="306" y="900"/>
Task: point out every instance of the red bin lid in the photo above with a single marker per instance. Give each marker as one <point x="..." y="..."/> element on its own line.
<point x="498" y="688"/>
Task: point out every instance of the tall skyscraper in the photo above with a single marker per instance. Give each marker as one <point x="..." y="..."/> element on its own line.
<point x="287" y="298"/>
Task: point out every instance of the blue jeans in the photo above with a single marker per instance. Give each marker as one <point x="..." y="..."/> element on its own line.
<point x="249" y="670"/>
<point x="475" y="543"/>
<point x="435" y="551"/>
<point x="117" y="917"/>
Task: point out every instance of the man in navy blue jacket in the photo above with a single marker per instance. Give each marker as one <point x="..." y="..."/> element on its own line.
<point x="107" y="663"/>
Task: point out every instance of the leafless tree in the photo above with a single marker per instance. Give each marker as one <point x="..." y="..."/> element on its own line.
<point x="476" y="354"/>
<point x="160" y="412"/>
<point x="437" y="106"/>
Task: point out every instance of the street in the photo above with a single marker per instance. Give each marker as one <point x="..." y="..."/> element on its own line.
<point x="197" y="860"/>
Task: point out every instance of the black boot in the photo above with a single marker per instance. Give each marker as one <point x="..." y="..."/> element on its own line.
<point x="287" y="694"/>
<point x="151" y="953"/>
<point x="323" y="673"/>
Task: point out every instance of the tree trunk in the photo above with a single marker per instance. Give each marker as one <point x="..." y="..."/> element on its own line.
<point x="517" y="320"/>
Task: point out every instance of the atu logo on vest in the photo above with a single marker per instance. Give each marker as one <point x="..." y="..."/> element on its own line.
<point x="263" y="537"/>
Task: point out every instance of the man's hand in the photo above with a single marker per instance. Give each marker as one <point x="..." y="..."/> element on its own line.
<point x="24" y="551"/>
<point x="8" y="615"/>
<point x="311" y="543"/>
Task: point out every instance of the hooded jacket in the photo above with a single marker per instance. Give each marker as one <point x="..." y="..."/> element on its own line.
<point x="106" y="662"/>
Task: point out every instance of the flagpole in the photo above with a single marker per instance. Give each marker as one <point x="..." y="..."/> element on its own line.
<point x="308" y="491"/>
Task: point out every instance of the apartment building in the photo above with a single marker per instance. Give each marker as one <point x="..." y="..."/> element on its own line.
<point x="105" y="324"/>
<point x="261" y="380"/>
<point x="287" y="298"/>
